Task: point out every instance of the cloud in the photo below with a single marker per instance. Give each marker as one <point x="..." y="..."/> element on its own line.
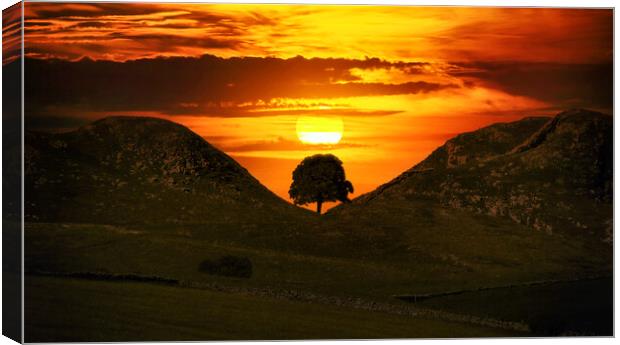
<point x="329" y="111"/>
<point x="393" y="32"/>
<point x="77" y="10"/>
<point x="280" y="144"/>
<point x="528" y="35"/>
<point x="257" y="110"/>
<point x="91" y="24"/>
<point x="11" y="33"/>
<point x="256" y="87"/>
<point x="129" y="31"/>
<point x="207" y="86"/>
<point x="167" y="40"/>
<point x="563" y="85"/>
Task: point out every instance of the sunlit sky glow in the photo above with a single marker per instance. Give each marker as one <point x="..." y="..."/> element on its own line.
<point x="401" y="80"/>
<point x="319" y="129"/>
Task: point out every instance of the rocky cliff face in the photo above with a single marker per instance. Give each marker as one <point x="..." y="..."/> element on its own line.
<point x="553" y="175"/>
<point x="482" y="145"/>
<point x="135" y="170"/>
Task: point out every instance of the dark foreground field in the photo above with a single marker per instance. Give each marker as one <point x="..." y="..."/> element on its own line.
<point x="90" y="310"/>
<point x="86" y="310"/>
<point x="110" y="283"/>
<point x="582" y="307"/>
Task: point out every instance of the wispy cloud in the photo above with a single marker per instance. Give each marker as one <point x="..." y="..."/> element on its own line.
<point x="393" y="32"/>
<point x="129" y="31"/>
<point x="11" y="33"/>
<point x="281" y="144"/>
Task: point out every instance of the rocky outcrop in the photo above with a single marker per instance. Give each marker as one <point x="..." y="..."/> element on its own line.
<point x="482" y="145"/>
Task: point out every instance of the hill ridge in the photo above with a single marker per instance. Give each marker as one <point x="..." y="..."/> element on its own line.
<point x="549" y="174"/>
<point x="122" y="169"/>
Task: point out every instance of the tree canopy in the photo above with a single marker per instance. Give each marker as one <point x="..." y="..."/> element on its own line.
<point x="320" y="178"/>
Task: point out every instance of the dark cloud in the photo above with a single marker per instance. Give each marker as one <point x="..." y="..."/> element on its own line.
<point x="366" y="89"/>
<point x="248" y="86"/>
<point x="91" y="24"/>
<point x="562" y="85"/>
<point x="161" y="41"/>
<point x="329" y="111"/>
<point x="51" y="11"/>
<point x="281" y="144"/>
<point x="41" y="23"/>
<point x="257" y="110"/>
<point x="208" y="85"/>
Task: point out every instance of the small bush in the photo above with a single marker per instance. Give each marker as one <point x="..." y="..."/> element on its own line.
<point x="228" y="266"/>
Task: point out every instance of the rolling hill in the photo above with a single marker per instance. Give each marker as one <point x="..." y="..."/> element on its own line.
<point x="141" y="170"/>
<point x="550" y="174"/>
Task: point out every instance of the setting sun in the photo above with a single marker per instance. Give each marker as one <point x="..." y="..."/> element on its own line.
<point x="319" y="130"/>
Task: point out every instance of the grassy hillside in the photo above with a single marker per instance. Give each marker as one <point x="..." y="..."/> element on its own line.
<point x="553" y="176"/>
<point x="122" y="170"/>
<point x="427" y="250"/>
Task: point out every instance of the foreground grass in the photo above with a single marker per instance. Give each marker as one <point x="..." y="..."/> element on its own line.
<point x="426" y="249"/>
<point x="63" y="309"/>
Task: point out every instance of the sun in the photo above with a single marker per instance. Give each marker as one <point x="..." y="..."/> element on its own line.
<point x="319" y="129"/>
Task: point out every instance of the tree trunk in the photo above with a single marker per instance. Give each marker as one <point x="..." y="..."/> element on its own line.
<point x="318" y="206"/>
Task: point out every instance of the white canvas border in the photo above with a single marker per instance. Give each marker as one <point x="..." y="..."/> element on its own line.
<point x="492" y="3"/>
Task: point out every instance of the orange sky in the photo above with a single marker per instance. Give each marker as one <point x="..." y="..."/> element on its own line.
<point x="402" y="79"/>
<point x="391" y="32"/>
<point x="11" y="33"/>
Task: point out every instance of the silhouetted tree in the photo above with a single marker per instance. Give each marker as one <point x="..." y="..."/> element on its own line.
<point x="319" y="178"/>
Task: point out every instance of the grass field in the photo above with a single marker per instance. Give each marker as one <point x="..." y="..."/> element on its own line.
<point x="375" y="257"/>
<point x="425" y="250"/>
<point x="62" y="309"/>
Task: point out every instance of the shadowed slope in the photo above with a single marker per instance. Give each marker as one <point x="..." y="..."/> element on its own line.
<point x="552" y="175"/>
<point x="141" y="170"/>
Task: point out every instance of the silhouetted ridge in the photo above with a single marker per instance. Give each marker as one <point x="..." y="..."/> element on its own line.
<point x="139" y="169"/>
<point x="550" y="174"/>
